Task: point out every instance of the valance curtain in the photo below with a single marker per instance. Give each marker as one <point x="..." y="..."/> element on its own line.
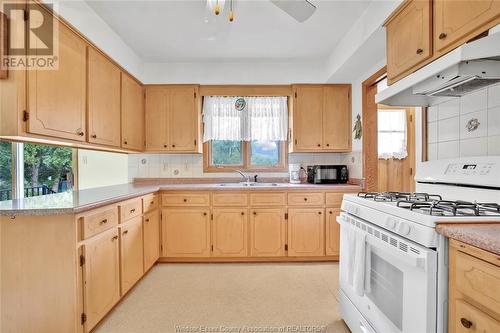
<point x="243" y="118"/>
<point x="392" y="134"/>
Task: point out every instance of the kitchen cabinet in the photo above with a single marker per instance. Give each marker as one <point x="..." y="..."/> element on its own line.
<point x="267" y="232"/>
<point x="409" y="38"/>
<point x="185" y="232"/>
<point x="57" y="98"/>
<point x="103" y="100"/>
<point x="101" y="276"/>
<point x="151" y="229"/>
<point x="474" y="289"/>
<point x="332" y="229"/>
<point x="131" y="253"/>
<point x="306" y="232"/>
<point x="172" y="118"/>
<point x="132" y="113"/>
<point x="229" y="232"/>
<point x="321" y="118"/>
<point x="455" y="22"/>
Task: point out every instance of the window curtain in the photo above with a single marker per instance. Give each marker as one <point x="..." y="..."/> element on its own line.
<point x="241" y="118"/>
<point x="392" y="138"/>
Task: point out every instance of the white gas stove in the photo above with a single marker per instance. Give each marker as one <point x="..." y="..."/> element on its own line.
<point x="393" y="263"/>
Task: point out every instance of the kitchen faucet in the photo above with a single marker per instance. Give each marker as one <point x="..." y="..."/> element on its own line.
<point x="247" y="178"/>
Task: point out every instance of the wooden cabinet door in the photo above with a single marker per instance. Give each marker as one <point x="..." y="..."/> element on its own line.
<point x="103" y="100"/>
<point x="332" y="246"/>
<point x="101" y="276"/>
<point x="186" y="232"/>
<point x="267" y="232"/>
<point x="455" y="22"/>
<point x="132" y="97"/>
<point x="337" y="118"/>
<point x="57" y="98"/>
<point x="183" y="119"/>
<point x="156" y="119"/>
<point x="229" y="232"/>
<point x="306" y="235"/>
<point x="131" y="250"/>
<point x="307" y="120"/>
<point x="408" y="38"/>
<point x="151" y="238"/>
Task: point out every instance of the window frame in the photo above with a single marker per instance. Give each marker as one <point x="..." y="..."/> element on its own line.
<point x="246" y="154"/>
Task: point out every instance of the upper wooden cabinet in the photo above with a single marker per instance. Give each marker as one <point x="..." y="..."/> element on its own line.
<point x="409" y="34"/>
<point x="132" y="107"/>
<point x="172" y="118"/>
<point x="420" y="31"/>
<point x="321" y="118"/>
<point x="56" y="103"/>
<point x="103" y="100"/>
<point x="457" y="21"/>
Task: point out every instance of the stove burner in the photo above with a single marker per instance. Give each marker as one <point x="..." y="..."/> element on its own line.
<point x="432" y="204"/>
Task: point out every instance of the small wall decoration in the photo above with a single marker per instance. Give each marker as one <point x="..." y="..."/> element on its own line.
<point x="472" y="125"/>
<point x="358" y="128"/>
<point x="240" y="104"/>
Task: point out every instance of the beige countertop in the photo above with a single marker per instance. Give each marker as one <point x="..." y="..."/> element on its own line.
<point x="74" y="202"/>
<point x="485" y="236"/>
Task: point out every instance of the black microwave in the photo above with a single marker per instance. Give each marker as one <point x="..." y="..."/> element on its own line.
<point x="327" y="174"/>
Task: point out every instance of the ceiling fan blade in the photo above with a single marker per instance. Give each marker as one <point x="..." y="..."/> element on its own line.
<point x="300" y="10"/>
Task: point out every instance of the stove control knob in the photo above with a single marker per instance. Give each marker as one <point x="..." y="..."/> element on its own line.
<point x="390" y="223"/>
<point x="404" y="229"/>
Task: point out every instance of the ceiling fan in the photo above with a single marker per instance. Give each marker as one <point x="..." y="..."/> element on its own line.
<point x="300" y="10"/>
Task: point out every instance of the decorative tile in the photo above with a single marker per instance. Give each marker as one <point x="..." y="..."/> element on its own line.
<point x="473" y="125"/>
<point x="474" y="147"/>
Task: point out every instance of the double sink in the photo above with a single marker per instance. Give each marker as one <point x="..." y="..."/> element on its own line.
<point x="249" y="184"/>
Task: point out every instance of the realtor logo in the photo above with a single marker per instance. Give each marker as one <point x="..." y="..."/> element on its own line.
<point x="32" y="37"/>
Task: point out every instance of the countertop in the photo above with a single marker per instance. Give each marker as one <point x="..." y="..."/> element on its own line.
<point x="74" y="202"/>
<point x="485" y="236"/>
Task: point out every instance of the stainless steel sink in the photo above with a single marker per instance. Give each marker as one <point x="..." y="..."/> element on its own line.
<point x="246" y="184"/>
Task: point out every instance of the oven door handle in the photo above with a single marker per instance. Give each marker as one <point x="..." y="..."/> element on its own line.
<point x="414" y="261"/>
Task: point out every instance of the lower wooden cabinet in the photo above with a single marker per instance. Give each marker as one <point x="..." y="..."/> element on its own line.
<point x="332" y="229"/>
<point x="151" y="229"/>
<point x="267" y="232"/>
<point x="229" y="232"/>
<point x="185" y="232"/>
<point x="131" y="253"/>
<point x="101" y="276"/>
<point x="306" y="235"/>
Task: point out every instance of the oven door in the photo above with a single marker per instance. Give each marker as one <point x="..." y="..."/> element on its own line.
<point x="400" y="279"/>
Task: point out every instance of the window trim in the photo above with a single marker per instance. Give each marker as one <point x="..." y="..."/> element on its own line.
<point x="246" y="166"/>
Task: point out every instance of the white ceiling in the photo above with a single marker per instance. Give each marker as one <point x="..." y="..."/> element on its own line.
<point x="185" y="31"/>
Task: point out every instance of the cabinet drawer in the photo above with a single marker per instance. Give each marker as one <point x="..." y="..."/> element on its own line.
<point x="130" y="209"/>
<point x="230" y="199"/>
<point x="306" y="199"/>
<point x="185" y="199"/>
<point x="150" y="202"/>
<point x="468" y="319"/>
<point x="334" y="199"/>
<point x="478" y="281"/>
<point x="99" y="221"/>
<point x="267" y="199"/>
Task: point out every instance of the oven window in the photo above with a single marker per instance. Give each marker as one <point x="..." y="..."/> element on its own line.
<point x="386" y="289"/>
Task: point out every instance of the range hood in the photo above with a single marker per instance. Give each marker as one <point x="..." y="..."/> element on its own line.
<point x="468" y="68"/>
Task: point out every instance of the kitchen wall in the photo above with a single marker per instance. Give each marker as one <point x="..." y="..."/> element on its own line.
<point x="191" y="165"/>
<point x="98" y="168"/>
<point x="447" y="126"/>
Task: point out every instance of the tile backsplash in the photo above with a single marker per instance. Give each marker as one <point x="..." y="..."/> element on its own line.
<point x="191" y="165"/>
<point x="465" y="126"/>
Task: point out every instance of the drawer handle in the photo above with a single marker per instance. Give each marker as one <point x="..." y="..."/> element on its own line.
<point x="442" y="35"/>
<point x="125" y="232"/>
<point x="466" y="323"/>
<point x="132" y="210"/>
<point x="185" y="200"/>
<point x="104" y="221"/>
<point x="114" y="238"/>
<point x="420" y="51"/>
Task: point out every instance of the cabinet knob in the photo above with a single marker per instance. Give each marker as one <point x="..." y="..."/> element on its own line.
<point x="204" y="214"/>
<point x="328" y="145"/>
<point x="173" y="146"/>
<point x="132" y="210"/>
<point x="319" y="144"/>
<point x="442" y="35"/>
<point x="185" y="200"/>
<point x="114" y="238"/>
<point x="305" y="199"/>
<point x="242" y="213"/>
<point x="80" y="133"/>
<point x="330" y="212"/>
<point x="319" y="213"/>
<point x="466" y="323"/>
<point x="164" y="146"/>
<point x="420" y="51"/>
<point x="125" y="142"/>
<point x="147" y="220"/>
<point x="104" y="221"/>
<point x="94" y="136"/>
<point x="254" y="213"/>
<point x="125" y="232"/>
